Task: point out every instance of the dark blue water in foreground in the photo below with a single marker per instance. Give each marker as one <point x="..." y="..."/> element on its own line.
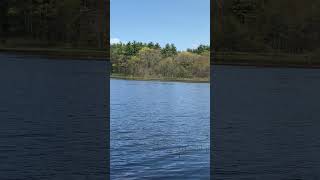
<point x="266" y="123"/>
<point x="159" y="130"/>
<point x="53" y="119"/>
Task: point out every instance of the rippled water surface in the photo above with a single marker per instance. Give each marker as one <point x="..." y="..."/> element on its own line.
<point x="266" y="123"/>
<point x="53" y="118"/>
<point x="159" y="130"/>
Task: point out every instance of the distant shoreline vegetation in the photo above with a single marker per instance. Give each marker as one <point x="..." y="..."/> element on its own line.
<point x="285" y="27"/>
<point x="53" y="24"/>
<point x="147" y="61"/>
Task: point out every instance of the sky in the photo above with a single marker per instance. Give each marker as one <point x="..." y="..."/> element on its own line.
<point x="185" y="23"/>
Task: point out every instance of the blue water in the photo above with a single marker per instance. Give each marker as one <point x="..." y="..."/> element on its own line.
<point x="265" y="123"/>
<point x="53" y="118"/>
<point x="159" y="130"/>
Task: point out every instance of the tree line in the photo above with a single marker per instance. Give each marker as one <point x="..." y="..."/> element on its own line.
<point x="151" y="60"/>
<point x="43" y="21"/>
<point x="291" y="26"/>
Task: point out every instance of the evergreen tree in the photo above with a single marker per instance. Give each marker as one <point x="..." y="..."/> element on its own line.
<point x="157" y="46"/>
<point x="150" y="45"/>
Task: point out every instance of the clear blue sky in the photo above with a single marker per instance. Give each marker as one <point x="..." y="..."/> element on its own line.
<point x="186" y="23"/>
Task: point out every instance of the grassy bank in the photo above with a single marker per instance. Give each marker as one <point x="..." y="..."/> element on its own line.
<point x="70" y="53"/>
<point x="307" y="60"/>
<point x="193" y="80"/>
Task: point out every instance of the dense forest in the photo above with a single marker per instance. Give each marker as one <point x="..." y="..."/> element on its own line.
<point x="150" y="60"/>
<point x="39" y="20"/>
<point x="288" y="26"/>
<point x="74" y="23"/>
<point x="50" y="22"/>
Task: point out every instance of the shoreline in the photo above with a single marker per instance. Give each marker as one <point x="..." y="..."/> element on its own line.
<point x="272" y="60"/>
<point x="267" y="65"/>
<point x="58" y="53"/>
<point x="280" y="60"/>
<point x="186" y="80"/>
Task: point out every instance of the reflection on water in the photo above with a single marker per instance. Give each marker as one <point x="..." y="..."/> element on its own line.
<point x="53" y="119"/>
<point x="265" y="123"/>
<point x="159" y="130"/>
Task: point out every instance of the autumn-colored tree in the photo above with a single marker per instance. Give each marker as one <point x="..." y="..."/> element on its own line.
<point x="150" y="60"/>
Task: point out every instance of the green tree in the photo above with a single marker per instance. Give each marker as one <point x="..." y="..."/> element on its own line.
<point x="169" y="50"/>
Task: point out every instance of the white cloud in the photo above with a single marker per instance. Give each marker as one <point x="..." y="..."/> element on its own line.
<point x="114" y="41"/>
<point x="195" y="45"/>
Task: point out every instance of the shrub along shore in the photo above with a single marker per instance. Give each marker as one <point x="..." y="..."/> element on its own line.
<point x="151" y="62"/>
<point x="137" y="60"/>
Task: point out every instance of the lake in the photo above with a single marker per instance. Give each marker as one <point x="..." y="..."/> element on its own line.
<point x="265" y="123"/>
<point x="53" y="118"/>
<point x="54" y="123"/>
<point x="159" y="130"/>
